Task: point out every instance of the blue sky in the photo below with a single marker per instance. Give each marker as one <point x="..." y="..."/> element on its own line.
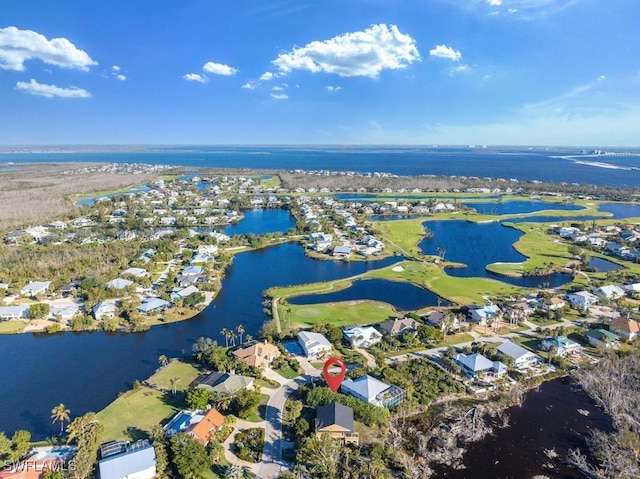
<point x="506" y="72"/>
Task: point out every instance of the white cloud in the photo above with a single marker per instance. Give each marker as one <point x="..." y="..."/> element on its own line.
<point x="280" y="96"/>
<point x="195" y="77"/>
<point x="459" y="69"/>
<point x="115" y="68"/>
<point x="364" y="53"/>
<point x="277" y="88"/>
<point x="121" y="77"/>
<point x="250" y="85"/>
<point x="51" y="91"/>
<point x="334" y="88"/>
<point x="18" y="46"/>
<point x="443" y="51"/>
<point x="266" y="76"/>
<point x="219" y="69"/>
<point x="559" y="102"/>
<point x="494" y="3"/>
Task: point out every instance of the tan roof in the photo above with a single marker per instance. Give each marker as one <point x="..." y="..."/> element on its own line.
<point x="209" y="425"/>
<point x="628" y="325"/>
<point x="258" y="354"/>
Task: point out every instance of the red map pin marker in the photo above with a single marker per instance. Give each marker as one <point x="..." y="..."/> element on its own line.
<point x="334" y="380"/>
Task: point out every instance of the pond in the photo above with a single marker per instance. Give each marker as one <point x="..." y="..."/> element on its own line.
<point x="516" y="207"/>
<point x="402" y="296"/>
<point x="621" y="210"/>
<point x="601" y="265"/>
<point x="557" y="417"/>
<point x="85" y="371"/>
<point x="261" y="221"/>
<point x="478" y="245"/>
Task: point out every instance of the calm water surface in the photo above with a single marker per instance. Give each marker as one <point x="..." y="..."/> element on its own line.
<point x="603" y="265"/>
<point x="515" y="207"/>
<point x="85" y="371"/>
<point x="621" y="210"/>
<point x="402" y="296"/>
<point x="262" y="221"/>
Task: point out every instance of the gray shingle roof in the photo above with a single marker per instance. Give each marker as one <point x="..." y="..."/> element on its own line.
<point x="334" y="414"/>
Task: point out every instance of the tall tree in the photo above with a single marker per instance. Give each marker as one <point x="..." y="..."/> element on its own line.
<point x="240" y="330"/>
<point x="188" y="456"/>
<point x="225" y="333"/>
<point x="61" y="414"/>
<point x="87" y="432"/>
<point x="163" y="360"/>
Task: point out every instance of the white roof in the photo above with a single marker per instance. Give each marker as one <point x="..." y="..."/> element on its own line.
<point x="366" y="386"/>
<point x="610" y="290"/>
<point x="474" y="362"/>
<point x="311" y="339"/>
<point x="118" y="283"/>
<point x="134" y="272"/>
<point x="513" y="350"/>
<point x="367" y="333"/>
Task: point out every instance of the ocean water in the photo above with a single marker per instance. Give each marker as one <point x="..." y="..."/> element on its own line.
<point x="523" y="164"/>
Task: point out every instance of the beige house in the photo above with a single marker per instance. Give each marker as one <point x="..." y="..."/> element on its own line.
<point x="258" y="355"/>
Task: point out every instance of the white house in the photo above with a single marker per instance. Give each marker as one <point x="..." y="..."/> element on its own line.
<point x="14" y="312"/>
<point x="104" y="309"/>
<point x="480" y="315"/>
<point x="35" y="287"/>
<point x="522" y="358"/>
<point x="582" y="299"/>
<point x="118" y="283"/>
<point x="135" y="272"/>
<point x="362" y="337"/>
<point x="609" y="291"/>
<point x="129" y="461"/>
<point x="313" y="344"/>
<point x="373" y="391"/>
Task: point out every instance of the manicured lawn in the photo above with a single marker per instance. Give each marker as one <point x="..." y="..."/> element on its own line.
<point x="287" y="373"/>
<point x="343" y="313"/>
<point x="540" y="321"/>
<point x="452" y="339"/>
<point x="185" y="373"/>
<point x="12" y="326"/>
<point x="406" y="234"/>
<point x="255" y="414"/>
<point x="139" y="410"/>
<point x="264" y="384"/>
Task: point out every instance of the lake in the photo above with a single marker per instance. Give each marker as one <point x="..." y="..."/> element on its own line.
<point x="602" y="265"/>
<point x="85" y="371"/>
<point x="261" y="221"/>
<point x="402" y="296"/>
<point x="621" y="210"/>
<point x="519" y="207"/>
<point x="480" y="244"/>
<point x="548" y="419"/>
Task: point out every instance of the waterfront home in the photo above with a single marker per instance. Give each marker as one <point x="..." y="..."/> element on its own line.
<point x="65" y="312"/>
<point x="553" y="304"/>
<point x="582" y="299"/>
<point x="362" y="337"/>
<point x="184" y="292"/>
<point x="397" y="327"/>
<point x="314" y="345"/>
<point x="562" y="344"/>
<point x="14" y="312"/>
<point x="153" y="305"/>
<point x="481" y="314"/>
<point x="81" y="222"/>
<point x="191" y="271"/>
<point x="258" y="355"/>
<point x="336" y="420"/>
<point x="343" y="251"/>
<point x="521" y="357"/>
<point x="118" y="283"/>
<point x="609" y="291"/>
<point x="476" y="365"/>
<point x="442" y="320"/>
<point x="568" y="231"/>
<point x="198" y="424"/>
<point x="104" y="310"/>
<point x="632" y="288"/>
<point x="127" y="461"/>
<point x="373" y="391"/>
<point x="602" y="338"/>
<point x="626" y="327"/>
<point x="225" y="383"/>
<point x="35" y="287"/>
<point x="191" y="279"/>
<point x="38" y="461"/>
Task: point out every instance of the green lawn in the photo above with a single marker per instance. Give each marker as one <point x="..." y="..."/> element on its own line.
<point x="287" y="373"/>
<point x="343" y="313"/>
<point x="184" y="373"/>
<point x="255" y="415"/>
<point x="12" y="326"/>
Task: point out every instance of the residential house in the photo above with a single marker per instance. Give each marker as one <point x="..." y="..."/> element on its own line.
<point x="192" y="271"/>
<point x="129" y="461"/>
<point x="38" y="461"/>
<point x="313" y="344"/>
<point x="442" y="320"/>
<point x="118" y="283"/>
<point x="200" y="425"/>
<point x="153" y="305"/>
<point x="135" y="272"/>
<point x="562" y="344"/>
<point x="362" y="337"/>
<point x="625" y="327"/>
<point x="36" y="287"/>
<point x="258" y="355"/>
<point x="476" y="365"/>
<point x="373" y="391"/>
<point x="65" y="312"/>
<point x="553" y="304"/>
<point x="632" y="288"/>
<point x="482" y="314"/>
<point x="582" y="299"/>
<point x="602" y="338"/>
<point x="225" y="383"/>
<point x="397" y="327"/>
<point x="609" y="291"/>
<point x="104" y="310"/>
<point x="14" y="312"/>
<point x="336" y="420"/>
<point x="184" y="292"/>
<point x="521" y="357"/>
<point x="343" y="251"/>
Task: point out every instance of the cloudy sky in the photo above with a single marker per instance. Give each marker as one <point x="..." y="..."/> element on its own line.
<point x="510" y="72"/>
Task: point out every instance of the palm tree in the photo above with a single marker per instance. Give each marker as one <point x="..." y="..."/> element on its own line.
<point x="232" y="337"/>
<point x="441" y="251"/>
<point x="60" y="413"/>
<point x="249" y="338"/>
<point x="240" y="329"/>
<point x="234" y="471"/>
<point x="225" y="333"/>
<point x="163" y="360"/>
<point x="173" y="382"/>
